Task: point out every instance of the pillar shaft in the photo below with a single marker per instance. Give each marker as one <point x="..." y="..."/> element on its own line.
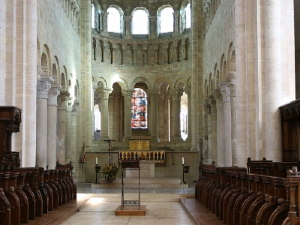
<point x="225" y="90"/>
<point x="41" y="119"/>
<point x="69" y="140"/>
<point x="176" y="95"/>
<point x="52" y="125"/>
<point x="152" y="27"/>
<point x="188" y="92"/>
<point x="104" y="94"/>
<point x="220" y="129"/>
<point x="128" y="29"/>
<point x="127" y="114"/>
<point x="213" y="134"/>
<point x="153" y="94"/>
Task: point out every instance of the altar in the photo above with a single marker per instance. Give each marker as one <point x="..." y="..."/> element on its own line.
<point x="147" y="170"/>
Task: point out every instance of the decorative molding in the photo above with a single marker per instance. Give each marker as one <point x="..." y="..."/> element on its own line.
<point x="53" y="94"/>
<point x="225" y="91"/>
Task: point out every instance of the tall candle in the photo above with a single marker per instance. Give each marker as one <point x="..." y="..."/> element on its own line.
<point x="96" y="160"/>
<point x="182" y="160"/>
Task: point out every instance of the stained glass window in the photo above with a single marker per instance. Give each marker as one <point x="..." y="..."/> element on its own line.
<point x="139" y="109"/>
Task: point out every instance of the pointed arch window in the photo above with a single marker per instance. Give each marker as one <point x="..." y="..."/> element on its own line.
<point x="139" y="109"/>
<point x="140" y="22"/>
<point x="166" y="20"/>
<point x="113" y="20"/>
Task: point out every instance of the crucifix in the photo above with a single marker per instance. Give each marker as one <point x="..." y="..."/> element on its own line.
<point x="109" y="149"/>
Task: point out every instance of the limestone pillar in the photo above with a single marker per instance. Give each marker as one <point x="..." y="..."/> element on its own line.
<point x="127" y="114"/>
<point x="104" y="94"/>
<point x="104" y="19"/>
<point x="74" y="153"/>
<point x="30" y="84"/>
<point x="204" y="153"/>
<point x="208" y="135"/>
<point x="213" y="131"/>
<point x="166" y="116"/>
<point x="220" y="130"/>
<point x="152" y="27"/>
<point x="225" y="91"/>
<point x="52" y="125"/>
<point x="86" y="131"/>
<point x="233" y="116"/>
<point x="273" y="65"/>
<point x="41" y="123"/>
<point x="176" y="16"/>
<point x="128" y="34"/>
<point x="61" y="122"/>
<point x="69" y="140"/>
<point x="2" y="53"/>
<point x="176" y="95"/>
<point x="188" y="92"/>
<point x="153" y="95"/>
<point x="195" y="72"/>
<point x="242" y="139"/>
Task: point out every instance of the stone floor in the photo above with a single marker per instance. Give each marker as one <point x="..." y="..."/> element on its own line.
<point x="157" y="213"/>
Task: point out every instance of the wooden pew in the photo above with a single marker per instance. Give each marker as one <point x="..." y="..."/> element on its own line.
<point x="5" y="211"/>
<point x="12" y="198"/>
<point x="242" y="198"/>
<point x="69" y="178"/>
<point x="54" y="203"/>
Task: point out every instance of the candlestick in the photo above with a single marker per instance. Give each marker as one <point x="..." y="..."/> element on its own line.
<point x="96" y="160"/>
<point x="182" y="160"/>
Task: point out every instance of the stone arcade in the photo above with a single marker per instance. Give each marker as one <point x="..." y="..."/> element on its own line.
<point x="212" y="87"/>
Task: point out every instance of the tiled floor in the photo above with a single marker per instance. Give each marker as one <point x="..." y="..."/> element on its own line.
<point x="101" y="212"/>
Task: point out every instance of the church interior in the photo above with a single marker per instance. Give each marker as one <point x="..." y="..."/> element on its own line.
<point x="201" y="97"/>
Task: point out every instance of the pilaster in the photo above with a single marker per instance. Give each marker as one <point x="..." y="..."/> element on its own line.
<point x="153" y="95"/>
<point x="127" y="114"/>
<point x="176" y="95"/>
<point x="104" y="95"/>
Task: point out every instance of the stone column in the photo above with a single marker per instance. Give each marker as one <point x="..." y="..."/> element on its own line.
<point x="176" y="16"/>
<point x="232" y="78"/>
<point x="52" y="125"/>
<point x="208" y="134"/>
<point x="188" y="92"/>
<point x="213" y="134"/>
<point x="166" y="115"/>
<point x="2" y="53"/>
<point x="225" y="90"/>
<point x="30" y="84"/>
<point x="273" y="66"/>
<point x="176" y="95"/>
<point x="195" y="79"/>
<point x="41" y="123"/>
<point x="104" y="20"/>
<point x="152" y="27"/>
<point x="127" y="114"/>
<point x="74" y="153"/>
<point x="220" y="129"/>
<point x="104" y="95"/>
<point x="153" y="95"/>
<point x="69" y="140"/>
<point x="128" y="29"/>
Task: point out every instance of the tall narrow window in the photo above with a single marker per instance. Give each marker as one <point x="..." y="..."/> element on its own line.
<point x="140" y="22"/>
<point x="139" y="109"/>
<point x="166" y="20"/>
<point x="188" y="16"/>
<point x="113" y="20"/>
<point x="93" y="16"/>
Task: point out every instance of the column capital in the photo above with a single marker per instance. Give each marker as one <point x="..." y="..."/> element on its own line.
<point x="61" y="99"/>
<point x="225" y="91"/>
<point x="127" y="94"/>
<point x="75" y="106"/>
<point x="43" y="88"/>
<point x="207" y="106"/>
<point x="53" y="93"/>
<point x="153" y="93"/>
<point x="176" y="94"/>
<point x="188" y="90"/>
<point x="69" y="104"/>
<point x="104" y="93"/>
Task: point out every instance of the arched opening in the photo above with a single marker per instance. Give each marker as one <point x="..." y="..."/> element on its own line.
<point x="188" y="16"/>
<point x="140" y="22"/>
<point x="93" y="16"/>
<point x="139" y="109"/>
<point x="97" y="122"/>
<point x="184" y="116"/>
<point x="113" y="20"/>
<point x="166" y="20"/>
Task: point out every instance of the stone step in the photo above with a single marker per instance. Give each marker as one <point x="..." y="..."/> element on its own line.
<point x="144" y="183"/>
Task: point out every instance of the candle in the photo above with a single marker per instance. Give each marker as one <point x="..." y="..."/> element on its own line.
<point x="96" y="160"/>
<point x="182" y="160"/>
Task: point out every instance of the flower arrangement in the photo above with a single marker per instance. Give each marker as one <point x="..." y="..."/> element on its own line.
<point x="110" y="172"/>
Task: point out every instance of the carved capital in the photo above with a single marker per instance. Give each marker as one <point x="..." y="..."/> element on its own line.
<point x="104" y="93"/>
<point x="53" y="93"/>
<point x="225" y="91"/>
<point x="188" y="90"/>
<point x="62" y="98"/>
<point x="207" y="106"/>
<point x="176" y="94"/>
<point x="75" y="106"/>
<point x="153" y="93"/>
<point x="127" y="94"/>
<point x="212" y="101"/>
<point x="43" y="88"/>
<point x="218" y="97"/>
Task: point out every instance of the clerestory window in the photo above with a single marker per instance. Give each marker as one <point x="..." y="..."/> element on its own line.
<point x="166" y="20"/>
<point x="188" y="16"/>
<point x="140" y="22"/>
<point x="113" y="20"/>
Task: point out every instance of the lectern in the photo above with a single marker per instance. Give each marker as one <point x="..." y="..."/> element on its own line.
<point x="10" y="119"/>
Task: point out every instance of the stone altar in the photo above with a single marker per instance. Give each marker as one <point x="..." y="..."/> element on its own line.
<point x="147" y="169"/>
